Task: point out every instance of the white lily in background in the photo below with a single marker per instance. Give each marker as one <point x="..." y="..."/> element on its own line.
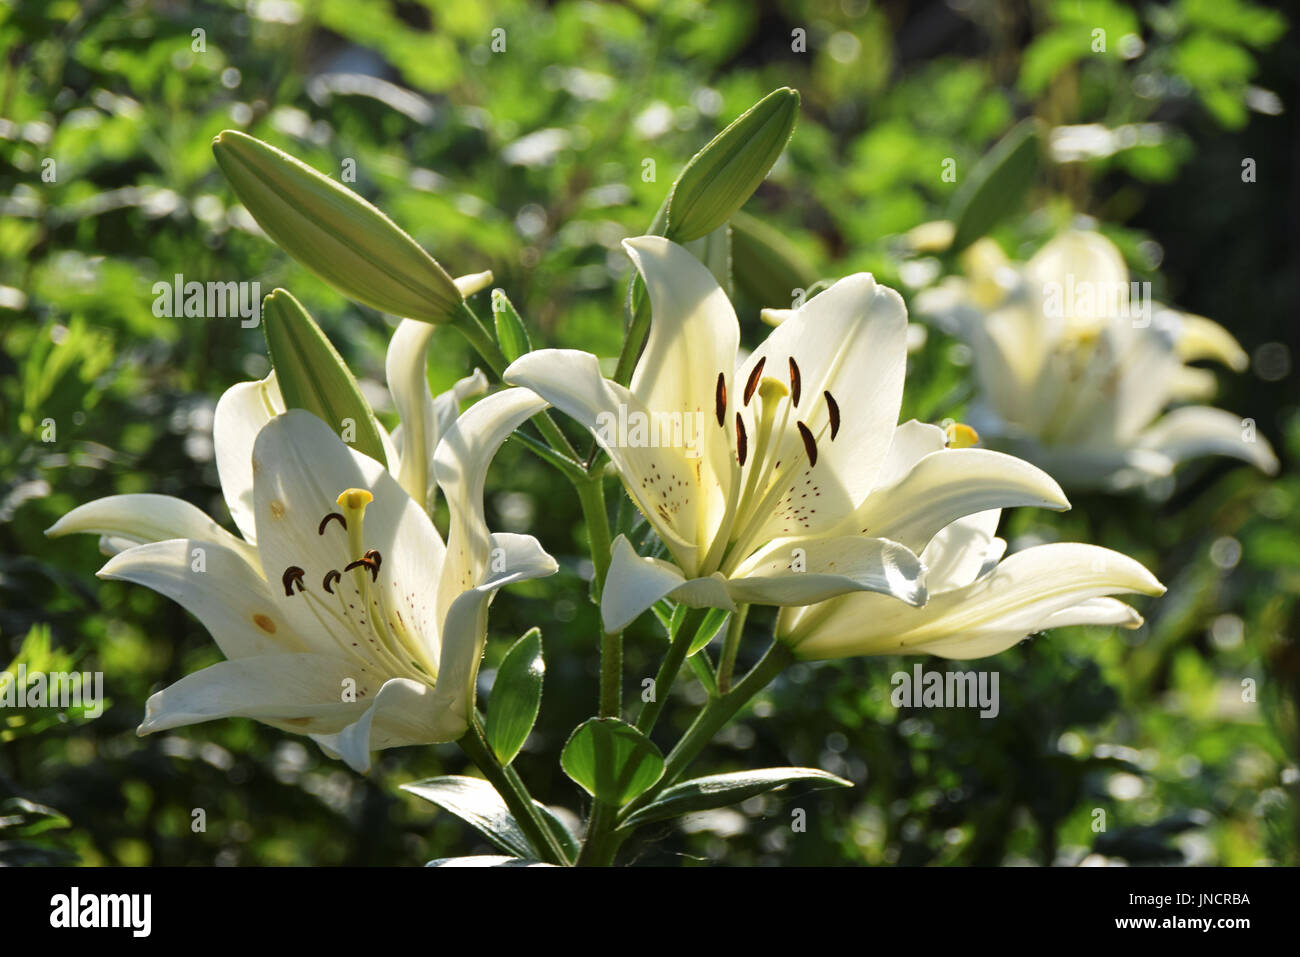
<point x="980" y="604"/>
<point x="348" y="620"/>
<point x="1074" y="370"/>
<point x="776" y="480"/>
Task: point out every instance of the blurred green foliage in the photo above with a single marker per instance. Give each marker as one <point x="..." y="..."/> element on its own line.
<point x="532" y="152"/>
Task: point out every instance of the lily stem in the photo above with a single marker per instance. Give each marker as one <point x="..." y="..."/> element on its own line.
<point x="472" y="328"/>
<point x="668" y="671"/>
<point x="711" y="719"/>
<point x="727" y="663"/>
<point x="475" y="745"/>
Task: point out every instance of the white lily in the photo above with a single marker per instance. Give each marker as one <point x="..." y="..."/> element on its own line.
<point x="979" y="605"/>
<point x="348" y="619"/>
<point x="776" y="480"/>
<point x="1074" y="370"/>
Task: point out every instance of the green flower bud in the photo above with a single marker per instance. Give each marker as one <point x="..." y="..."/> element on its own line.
<point x="722" y="176"/>
<point x="335" y="233"/>
<point x="313" y="376"/>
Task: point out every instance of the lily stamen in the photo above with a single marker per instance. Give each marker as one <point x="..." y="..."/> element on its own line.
<point x="320" y="530"/>
<point x="292" y="575"/>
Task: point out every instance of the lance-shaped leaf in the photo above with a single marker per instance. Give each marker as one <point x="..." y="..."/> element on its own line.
<point x="511" y="334"/>
<point x="996" y="185"/>
<point x="721" y="790"/>
<point x="767" y="267"/>
<point x="313" y="376"/>
<point x="335" y="233"/>
<point x="485" y="860"/>
<point x="611" y="760"/>
<point x="476" y="802"/>
<point x="516" y="696"/>
<point x="709" y="628"/>
<point x="722" y="176"/>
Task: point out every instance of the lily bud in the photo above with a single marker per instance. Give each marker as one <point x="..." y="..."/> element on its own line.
<point x="335" y="233"/>
<point x="722" y="176"/>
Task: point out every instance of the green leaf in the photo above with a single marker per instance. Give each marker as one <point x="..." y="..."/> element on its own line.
<point x="722" y="176"/>
<point x="709" y="628"/>
<point x="511" y="334"/>
<point x="20" y="817"/>
<point x="476" y="802"/>
<point x="567" y="840"/>
<point x="516" y="696"/>
<point x="768" y="268"/>
<point x="313" y="376"/>
<point x="484" y="860"/>
<point x="720" y="790"/>
<point x="611" y="760"/>
<point x="996" y="185"/>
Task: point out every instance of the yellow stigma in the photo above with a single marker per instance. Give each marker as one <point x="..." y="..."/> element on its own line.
<point x="961" y="436"/>
<point x="772" y="390"/>
<point x="355" y="499"/>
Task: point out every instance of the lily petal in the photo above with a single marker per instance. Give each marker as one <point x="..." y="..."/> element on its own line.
<point x="946" y="485"/>
<point x="300" y="693"/>
<point x="662" y="480"/>
<point x="912" y="442"/>
<point x="958" y="553"/>
<point x="849" y="341"/>
<point x="143" y="518"/>
<point x="217" y="586"/>
<point x="402" y="713"/>
<point x="241" y="412"/>
<point x="1202" y="338"/>
<point x="804" y="571"/>
<point x="633" y="584"/>
<point x="406" y="367"/>
<point x="993" y="613"/>
<point x="301" y="467"/>
<point x="1198" y="430"/>
<point x="461" y="462"/>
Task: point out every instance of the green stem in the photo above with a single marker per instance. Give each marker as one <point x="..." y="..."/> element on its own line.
<point x="635" y="338"/>
<point x="598" y="849"/>
<point x="710" y="721"/>
<point x="511" y="788"/>
<point x="668" y="671"/>
<point x="730" y="644"/>
<point x="472" y="328"/>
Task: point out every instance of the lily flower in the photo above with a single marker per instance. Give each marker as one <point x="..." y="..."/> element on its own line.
<point x="344" y="617"/>
<point x="775" y="480"/>
<point x="1076" y="365"/>
<point x="980" y="604"/>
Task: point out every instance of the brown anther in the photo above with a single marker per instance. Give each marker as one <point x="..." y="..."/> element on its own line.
<point x="751" y="385"/>
<point x="720" y="399"/>
<point x="374" y="556"/>
<point x="368" y="563"/>
<point x="742" y="441"/>
<point x="809" y="444"/>
<point x="292" y="575"/>
<point x="326" y="520"/>
<point x="331" y="576"/>
<point x="796" y="382"/>
<point x="834" y="409"/>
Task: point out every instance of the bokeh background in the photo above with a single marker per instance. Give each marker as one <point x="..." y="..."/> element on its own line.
<point x="530" y="161"/>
